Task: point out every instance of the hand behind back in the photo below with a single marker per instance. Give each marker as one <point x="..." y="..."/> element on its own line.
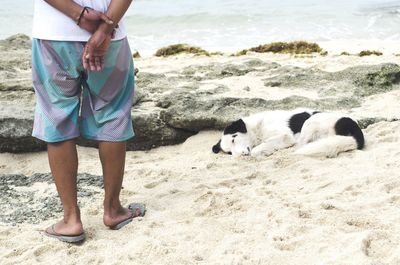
<point x="91" y="20"/>
<point x="95" y="51"/>
<point x="97" y="46"/>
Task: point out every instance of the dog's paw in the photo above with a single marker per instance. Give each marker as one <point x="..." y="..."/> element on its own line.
<point x="259" y="151"/>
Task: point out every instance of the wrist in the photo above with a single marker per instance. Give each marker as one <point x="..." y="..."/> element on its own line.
<point x="106" y="28"/>
<point x="81" y="15"/>
<point x="75" y="12"/>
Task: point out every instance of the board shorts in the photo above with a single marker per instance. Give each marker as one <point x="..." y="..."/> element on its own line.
<point x="71" y="101"/>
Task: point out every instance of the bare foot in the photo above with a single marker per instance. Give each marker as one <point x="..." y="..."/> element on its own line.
<point x="114" y="217"/>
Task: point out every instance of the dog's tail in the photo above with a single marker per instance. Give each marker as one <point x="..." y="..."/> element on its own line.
<point x="329" y="147"/>
<point x="348" y="127"/>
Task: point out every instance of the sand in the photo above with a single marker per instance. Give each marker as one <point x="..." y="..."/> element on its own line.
<point x="215" y="209"/>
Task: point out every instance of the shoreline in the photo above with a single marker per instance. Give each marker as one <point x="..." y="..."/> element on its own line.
<point x="333" y="47"/>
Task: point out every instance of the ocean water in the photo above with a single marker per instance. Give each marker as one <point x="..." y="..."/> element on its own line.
<point x="230" y="25"/>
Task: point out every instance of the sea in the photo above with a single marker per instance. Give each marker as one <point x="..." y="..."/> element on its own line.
<point x="231" y="25"/>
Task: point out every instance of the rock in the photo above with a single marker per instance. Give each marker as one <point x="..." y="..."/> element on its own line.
<point x="169" y="107"/>
<point x="376" y="79"/>
<point x="365" y="122"/>
<point x="136" y="55"/>
<point x="294" y="47"/>
<point x="152" y="131"/>
<point x="16" y="42"/>
<point x="15" y="136"/>
<point x="155" y="84"/>
<point x="368" y="53"/>
<point x="176" y="49"/>
<point x="138" y="96"/>
<point x="223" y="70"/>
<point x="47" y="204"/>
<point x="193" y="112"/>
<point x="358" y="81"/>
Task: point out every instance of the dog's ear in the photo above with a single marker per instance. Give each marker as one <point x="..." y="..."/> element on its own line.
<point x="235" y="127"/>
<point x="217" y="147"/>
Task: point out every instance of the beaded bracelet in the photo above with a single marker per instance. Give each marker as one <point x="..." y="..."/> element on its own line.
<point x="85" y="9"/>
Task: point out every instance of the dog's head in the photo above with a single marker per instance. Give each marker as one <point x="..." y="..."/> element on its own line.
<point x="235" y="140"/>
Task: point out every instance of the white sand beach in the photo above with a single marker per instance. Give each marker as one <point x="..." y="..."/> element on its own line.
<point x="205" y="208"/>
<point x="209" y="209"/>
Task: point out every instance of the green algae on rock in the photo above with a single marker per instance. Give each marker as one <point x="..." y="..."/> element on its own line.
<point x="240" y="53"/>
<point x="136" y="55"/>
<point x="369" y="52"/>
<point x="356" y="81"/>
<point x="294" y="47"/>
<point x="384" y="78"/>
<point x="180" y="48"/>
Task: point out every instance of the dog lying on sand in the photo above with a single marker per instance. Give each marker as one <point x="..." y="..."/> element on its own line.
<point x="315" y="133"/>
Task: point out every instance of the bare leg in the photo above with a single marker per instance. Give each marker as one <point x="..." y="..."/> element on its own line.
<point x="112" y="157"/>
<point x="63" y="160"/>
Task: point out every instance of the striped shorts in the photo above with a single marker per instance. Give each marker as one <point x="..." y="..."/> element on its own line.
<point x="71" y="101"/>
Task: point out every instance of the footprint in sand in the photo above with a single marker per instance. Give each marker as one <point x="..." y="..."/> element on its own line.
<point x="284" y="243"/>
<point x="14" y="253"/>
<point x="232" y="183"/>
<point x="42" y="251"/>
<point x="360" y="223"/>
<point x="290" y="238"/>
<point x="392" y="187"/>
<point x="154" y="184"/>
<point x="216" y="203"/>
<point x="379" y="244"/>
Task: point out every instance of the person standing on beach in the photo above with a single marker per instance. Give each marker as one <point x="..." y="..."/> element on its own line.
<point x="80" y="47"/>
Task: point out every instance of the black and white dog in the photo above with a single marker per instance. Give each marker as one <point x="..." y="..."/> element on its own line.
<point x="316" y="133"/>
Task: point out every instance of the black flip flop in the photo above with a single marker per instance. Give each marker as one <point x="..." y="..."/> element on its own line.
<point x="65" y="238"/>
<point x="134" y="207"/>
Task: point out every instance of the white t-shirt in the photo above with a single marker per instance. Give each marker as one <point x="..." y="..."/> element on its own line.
<point x="51" y="24"/>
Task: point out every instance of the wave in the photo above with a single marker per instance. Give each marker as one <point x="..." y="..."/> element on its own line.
<point x="385" y="9"/>
<point x="236" y="24"/>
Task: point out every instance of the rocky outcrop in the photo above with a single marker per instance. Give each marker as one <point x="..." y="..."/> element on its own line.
<point x="169" y="107"/>
<point x="223" y="70"/>
<point x="16" y="42"/>
<point x="194" y="113"/>
<point x="151" y="131"/>
<point x="359" y="81"/>
<point x="16" y="136"/>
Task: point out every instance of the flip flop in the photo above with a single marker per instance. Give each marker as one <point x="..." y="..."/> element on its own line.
<point x="134" y="207"/>
<point x="65" y="238"/>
